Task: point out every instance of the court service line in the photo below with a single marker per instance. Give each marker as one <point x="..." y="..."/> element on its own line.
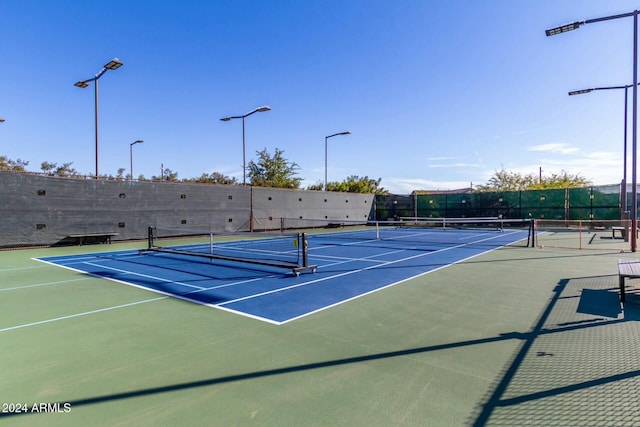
<point x="86" y="313"/>
<point x="342" y="259"/>
<point x="146" y="276"/>
<point x="199" y="288"/>
<point x="42" y="284"/>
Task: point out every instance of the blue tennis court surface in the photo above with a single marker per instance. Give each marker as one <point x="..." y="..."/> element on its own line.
<point x="350" y="265"/>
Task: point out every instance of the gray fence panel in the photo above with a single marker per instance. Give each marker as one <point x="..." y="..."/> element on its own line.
<point x="272" y="204"/>
<point x="44" y="210"/>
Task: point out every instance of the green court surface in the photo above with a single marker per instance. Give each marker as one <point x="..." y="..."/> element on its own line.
<point x="517" y="336"/>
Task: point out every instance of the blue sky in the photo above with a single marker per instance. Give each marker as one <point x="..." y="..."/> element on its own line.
<point x="437" y="94"/>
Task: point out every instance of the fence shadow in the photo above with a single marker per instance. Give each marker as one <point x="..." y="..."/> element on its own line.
<point x="578" y="365"/>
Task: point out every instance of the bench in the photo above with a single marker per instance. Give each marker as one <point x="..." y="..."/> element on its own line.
<point x="627" y="269"/>
<point x="620" y="230"/>
<point x="335" y="225"/>
<point x="92" y="237"/>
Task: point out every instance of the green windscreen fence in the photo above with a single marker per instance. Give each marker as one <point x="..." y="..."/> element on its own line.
<point x="392" y="206"/>
<point x="589" y="203"/>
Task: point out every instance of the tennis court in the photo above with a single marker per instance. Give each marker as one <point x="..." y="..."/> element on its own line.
<point x="253" y="276"/>
<point x="493" y="335"/>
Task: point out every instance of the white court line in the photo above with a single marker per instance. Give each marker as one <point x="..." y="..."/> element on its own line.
<point x="146" y="276"/>
<point x="86" y="313"/>
<point x="21" y="268"/>
<point x="80" y="258"/>
<point x="370" y="258"/>
<point x="199" y="288"/>
<point x="42" y="284"/>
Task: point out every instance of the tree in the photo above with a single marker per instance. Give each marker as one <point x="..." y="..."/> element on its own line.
<point x="561" y="180"/>
<point x="7" y="164"/>
<point x="504" y="180"/>
<point x="214" y="178"/>
<point x="353" y="184"/>
<point x="64" y="170"/>
<point x="167" y="175"/>
<point x="120" y="176"/>
<point x="273" y="171"/>
<point x="47" y="167"/>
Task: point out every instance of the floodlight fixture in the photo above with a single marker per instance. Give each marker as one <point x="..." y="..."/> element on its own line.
<point x="261" y="109"/>
<point x="564" y="28"/>
<point x="326" y="138"/>
<point x="139" y="141"/>
<point x="339" y="133"/>
<point x="580" y="92"/>
<point x="244" y="144"/>
<point x="114" y="64"/>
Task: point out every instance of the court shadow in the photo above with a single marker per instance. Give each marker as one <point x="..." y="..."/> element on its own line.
<point x="550" y="390"/>
<point x="599" y="302"/>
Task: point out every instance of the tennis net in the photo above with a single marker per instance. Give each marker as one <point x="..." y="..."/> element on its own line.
<point x="604" y="235"/>
<point x="276" y="249"/>
<point x="489" y="231"/>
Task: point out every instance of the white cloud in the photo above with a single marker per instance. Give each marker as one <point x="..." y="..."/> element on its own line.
<point x="555" y="147"/>
<point x="454" y="165"/>
<point x="600" y="167"/>
<point x="452" y="162"/>
<point x="397" y="185"/>
<point x="441" y="159"/>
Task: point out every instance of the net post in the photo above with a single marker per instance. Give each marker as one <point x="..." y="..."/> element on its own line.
<point x="532" y="233"/>
<point x="150" y="237"/>
<point x="580" y="234"/>
<point x="305" y="250"/>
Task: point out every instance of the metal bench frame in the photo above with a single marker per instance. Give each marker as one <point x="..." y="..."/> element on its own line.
<point x="627" y="269"/>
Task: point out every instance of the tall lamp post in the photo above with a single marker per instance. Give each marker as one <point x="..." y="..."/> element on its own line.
<point x="114" y="64"/>
<point x="326" y="138"/>
<point x="624" y="157"/>
<point x="244" y="145"/>
<point x="139" y="141"/>
<point x="634" y="126"/>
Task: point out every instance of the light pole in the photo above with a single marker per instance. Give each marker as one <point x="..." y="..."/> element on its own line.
<point x="131" y="156"/>
<point x="624" y="157"/>
<point x="326" y="138"/>
<point x="244" y="145"/>
<point x="634" y="126"/>
<point x="114" y="64"/>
